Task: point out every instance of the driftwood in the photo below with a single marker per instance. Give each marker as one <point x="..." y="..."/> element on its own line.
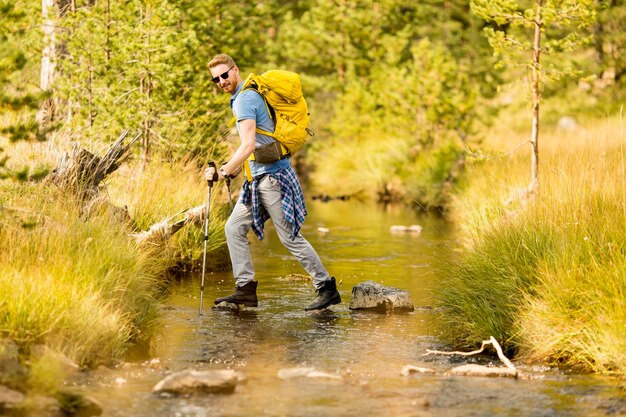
<point x="165" y="229"/>
<point x="80" y="173"/>
<point x="491" y="341"/>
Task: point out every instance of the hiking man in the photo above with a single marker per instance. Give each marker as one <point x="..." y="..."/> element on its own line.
<point x="273" y="192"/>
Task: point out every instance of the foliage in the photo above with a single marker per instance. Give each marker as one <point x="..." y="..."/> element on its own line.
<point x="565" y="28"/>
<point x="19" y="99"/>
<point x="416" y="118"/>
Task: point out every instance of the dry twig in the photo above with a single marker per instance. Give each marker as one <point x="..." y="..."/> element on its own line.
<point x="492" y="341"/>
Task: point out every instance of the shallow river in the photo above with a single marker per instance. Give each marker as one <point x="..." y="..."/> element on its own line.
<point x="367" y="350"/>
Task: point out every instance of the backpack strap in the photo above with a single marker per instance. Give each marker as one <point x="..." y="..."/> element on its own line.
<point x="247" y="172"/>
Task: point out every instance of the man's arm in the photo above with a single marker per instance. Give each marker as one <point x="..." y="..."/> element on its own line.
<point x="247" y="134"/>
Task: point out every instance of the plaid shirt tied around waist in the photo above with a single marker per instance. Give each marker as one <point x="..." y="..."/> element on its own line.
<point x="292" y="197"/>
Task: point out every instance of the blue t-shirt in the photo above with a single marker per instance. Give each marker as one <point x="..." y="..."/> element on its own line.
<point x="249" y="104"/>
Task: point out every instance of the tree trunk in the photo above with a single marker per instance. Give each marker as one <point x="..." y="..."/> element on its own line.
<point x="534" y="184"/>
<point x="146" y="89"/>
<point x="81" y="172"/>
<point x="160" y="232"/>
<point x="46" y="111"/>
<point x="107" y="43"/>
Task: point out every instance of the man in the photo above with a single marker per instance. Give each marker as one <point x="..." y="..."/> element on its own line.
<point x="274" y="192"/>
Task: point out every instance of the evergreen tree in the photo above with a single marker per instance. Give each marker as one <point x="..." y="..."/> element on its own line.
<point x="538" y="33"/>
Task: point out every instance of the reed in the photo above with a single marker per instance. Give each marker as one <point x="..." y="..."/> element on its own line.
<point x="545" y="274"/>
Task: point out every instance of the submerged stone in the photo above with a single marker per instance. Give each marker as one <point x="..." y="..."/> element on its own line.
<point x="291" y="373"/>
<point x="480" y="370"/>
<point x="191" y="381"/>
<point x="370" y="295"/>
<point x="228" y="306"/>
<point x="410" y="369"/>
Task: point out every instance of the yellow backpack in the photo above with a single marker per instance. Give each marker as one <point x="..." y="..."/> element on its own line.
<point x="282" y="92"/>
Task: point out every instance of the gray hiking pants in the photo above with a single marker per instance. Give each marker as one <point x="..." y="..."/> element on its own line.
<point x="240" y="222"/>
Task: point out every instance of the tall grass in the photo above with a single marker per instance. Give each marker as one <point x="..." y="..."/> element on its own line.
<point x="546" y="275"/>
<point x="164" y="191"/>
<point x="76" y="285"/>
<point x="80" y="285"/>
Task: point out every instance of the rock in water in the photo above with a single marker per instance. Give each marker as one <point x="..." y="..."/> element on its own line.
<point x="370" y="295"/>
<point x="191" y="381"/>
<point x="480" y="370"/>
<point x="291" y="373"/>
<point x="228" y="306"/>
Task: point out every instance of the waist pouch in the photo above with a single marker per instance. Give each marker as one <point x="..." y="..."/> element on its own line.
<point x="270" y="153"/>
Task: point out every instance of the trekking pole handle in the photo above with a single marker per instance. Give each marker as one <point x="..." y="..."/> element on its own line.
<point x="215" y="177"/>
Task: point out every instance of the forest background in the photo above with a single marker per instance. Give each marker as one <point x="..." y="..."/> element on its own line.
<point x="426" y="103"/>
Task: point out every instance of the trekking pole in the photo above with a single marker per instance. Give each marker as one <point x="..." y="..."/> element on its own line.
<point x="230" y="197"/>
<point x="206" y="230"/>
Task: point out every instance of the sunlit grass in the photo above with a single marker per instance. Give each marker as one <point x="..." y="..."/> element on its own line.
<point x="77" y="285"/>
<point x="80" y="284"/>
<point x="546" y="275"/>
<point x="163" y="191"/>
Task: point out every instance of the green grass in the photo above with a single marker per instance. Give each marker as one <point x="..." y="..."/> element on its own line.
<point x="545" y="275"/>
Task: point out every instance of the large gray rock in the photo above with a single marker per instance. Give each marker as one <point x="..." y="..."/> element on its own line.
<point x="370" y="295"/>
<point x="191" y="381"/>
<point x="43" y="352"/>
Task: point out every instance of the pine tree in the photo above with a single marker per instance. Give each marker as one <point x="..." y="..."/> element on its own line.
<point x="534" y="35"/>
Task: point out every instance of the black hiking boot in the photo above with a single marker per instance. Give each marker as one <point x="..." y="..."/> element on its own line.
<point x="326" y="296"/>
<point x="246" y="295"/>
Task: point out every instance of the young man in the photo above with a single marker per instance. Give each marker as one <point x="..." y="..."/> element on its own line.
<point x="274" y="192"/>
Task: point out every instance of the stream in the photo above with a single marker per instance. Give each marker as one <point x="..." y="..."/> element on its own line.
<point x="366" y="350"/>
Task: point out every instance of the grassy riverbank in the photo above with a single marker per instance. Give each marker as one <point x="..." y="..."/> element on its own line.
<point x="545" y="275"/>
<point x="80" y="285"/>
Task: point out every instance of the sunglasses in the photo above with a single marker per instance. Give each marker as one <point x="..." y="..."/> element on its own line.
<point x="224" y="76"/>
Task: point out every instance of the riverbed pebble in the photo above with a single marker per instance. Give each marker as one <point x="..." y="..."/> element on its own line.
<point x="290" y="373"/>
<point x="412" y="229"/>
<point x="221" y="381"/>
<point x="410" y="369"/>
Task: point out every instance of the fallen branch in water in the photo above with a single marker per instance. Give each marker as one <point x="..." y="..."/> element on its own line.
<point x="491" y="341"/>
